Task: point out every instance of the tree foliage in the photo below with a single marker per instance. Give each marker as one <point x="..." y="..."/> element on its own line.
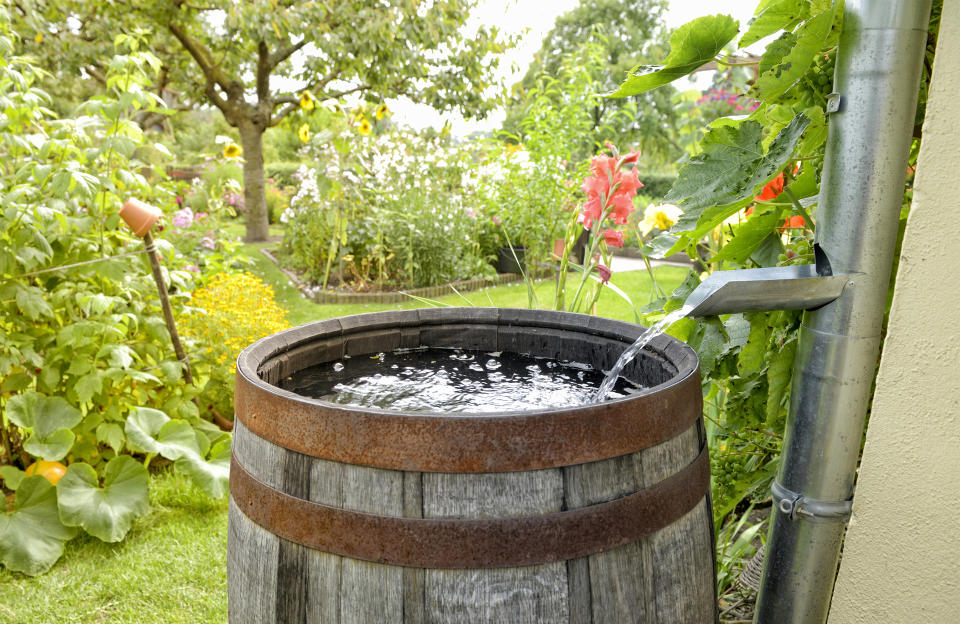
<point x="253" y="59"/>
<point x="629" y="33"/>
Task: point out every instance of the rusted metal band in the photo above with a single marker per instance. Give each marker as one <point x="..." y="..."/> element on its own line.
<point x="457" y="443"/>
<point x="486" y="543"/>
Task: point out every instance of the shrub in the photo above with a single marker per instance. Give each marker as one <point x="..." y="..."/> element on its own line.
<point x="231" y="312"/>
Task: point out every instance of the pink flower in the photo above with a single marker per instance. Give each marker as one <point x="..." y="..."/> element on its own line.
<point x="193" y="268"/>
<point x="610" y="189"/>
<point x="183" y="218"/>
<point x="613" y="237"/>
<point x="604" y="273"/>
<point x="208" y="242"/>
<point x="496" y="220"/>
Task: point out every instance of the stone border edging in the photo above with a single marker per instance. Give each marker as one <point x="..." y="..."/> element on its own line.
<point x="392" y="296"/>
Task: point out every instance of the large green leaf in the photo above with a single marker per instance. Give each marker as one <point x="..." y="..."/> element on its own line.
<point x="105" y="512"/>
<point x="209" y="471"/>
<point x="731" y="169"/>
<point x="32" y="537"/>
<point x="152" y="431"/>
<point x="50" y="420"/>
<point x="774" y="15"/>
<point x="52" y="447"/>
<point x="749" y="235"/>
<point x="751" y="358"/>
<point x="691" y="46"/>
<point x="789" y="67"/>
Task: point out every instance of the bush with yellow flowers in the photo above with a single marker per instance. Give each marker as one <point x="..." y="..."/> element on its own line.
<point x="230" y="312"/>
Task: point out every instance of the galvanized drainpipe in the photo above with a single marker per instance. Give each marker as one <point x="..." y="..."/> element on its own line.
<point x="877" y="78"/>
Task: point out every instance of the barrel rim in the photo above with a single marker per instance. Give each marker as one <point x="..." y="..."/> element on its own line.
<point x="485" y="442"/>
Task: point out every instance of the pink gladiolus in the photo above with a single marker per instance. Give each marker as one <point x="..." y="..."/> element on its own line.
<point x="609" y="188"/>
<point x="613" y="237"/>
<point x="604" y="273"/>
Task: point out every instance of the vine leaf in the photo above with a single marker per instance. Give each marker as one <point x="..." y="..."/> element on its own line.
<point x="691" y="45"/>
<point x="32" y="537"/>
<point x="785" y="70"/>
<point x="778" y="379"/>
<point x="731" y="168"/>
<point x="749" y="235"/>
<point x="105" y="512"/>
<point x="774" y="15"/>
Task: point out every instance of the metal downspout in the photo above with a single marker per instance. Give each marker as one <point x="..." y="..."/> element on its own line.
<point x="877" y="77"/>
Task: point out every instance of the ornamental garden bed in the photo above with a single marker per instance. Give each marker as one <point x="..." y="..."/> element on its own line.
<point x="316" y="293"/>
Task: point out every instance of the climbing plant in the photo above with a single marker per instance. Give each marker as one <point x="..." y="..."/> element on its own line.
<point x="748" y="193"/>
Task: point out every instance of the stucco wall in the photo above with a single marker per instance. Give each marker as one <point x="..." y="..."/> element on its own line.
<point x="901" y="557"/>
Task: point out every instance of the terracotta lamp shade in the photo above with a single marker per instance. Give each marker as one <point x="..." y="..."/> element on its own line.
<point x="139" y="216"/>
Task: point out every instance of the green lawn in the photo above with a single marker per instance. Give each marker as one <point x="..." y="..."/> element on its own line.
<point x="172" y="565"/>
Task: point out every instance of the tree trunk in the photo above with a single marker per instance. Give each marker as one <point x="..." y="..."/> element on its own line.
<point x="254" y="195"/>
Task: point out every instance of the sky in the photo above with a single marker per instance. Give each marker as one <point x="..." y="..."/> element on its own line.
<point x="532" y="19"/>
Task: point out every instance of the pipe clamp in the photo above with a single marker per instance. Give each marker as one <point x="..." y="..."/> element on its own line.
<point x="792" y="504"/>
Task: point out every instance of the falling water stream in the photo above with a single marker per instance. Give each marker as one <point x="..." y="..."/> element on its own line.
<point x="630" y="352"/>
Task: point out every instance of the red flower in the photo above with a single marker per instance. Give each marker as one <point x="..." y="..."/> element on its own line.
<point x="613" y="237"/>
<point x="609" y="189"/>
<point x="794" y="222"/>
<point x="773" y="188"/>
<point x="604" y="273"/>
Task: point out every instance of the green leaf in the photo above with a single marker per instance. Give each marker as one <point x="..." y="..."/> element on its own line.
<point x="752" y="354"/>
<point x="105" y="512"/>
<point x="749" y="235"/>
<point x="51" y="447"/>
<point x="691" y="46"/>
<point x="709" y="341"/>
<point x="42" y="414"/>
<point x="212" y="473"/>
<point x="12" y="476"/>
<point x="778" y="379"/>
<point x="16" y="382"/>
<point x="774" y="16"/>
<point x="151" y="431"/>
<point x="32" y="537"/>
<point x="32" y="304"/>
<point x="112" y="435"/>
<point x="790" y="67"/>
<point x="87" y="386"/>
<point x="731" y="169"/>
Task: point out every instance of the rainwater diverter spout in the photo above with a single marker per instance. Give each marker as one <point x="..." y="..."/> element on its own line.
<point x="799" y="287"/>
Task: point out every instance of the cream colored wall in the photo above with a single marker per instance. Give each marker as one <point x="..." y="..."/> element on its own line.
<point x="901" y="557"/>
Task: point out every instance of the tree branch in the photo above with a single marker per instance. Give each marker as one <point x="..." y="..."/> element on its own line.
<point x="281" y="55"/>
<point x="263" y="72"/>
<point x="202" y="56"/>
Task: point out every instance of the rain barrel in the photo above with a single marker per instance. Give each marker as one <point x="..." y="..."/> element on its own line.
<point x="595" y="513"/>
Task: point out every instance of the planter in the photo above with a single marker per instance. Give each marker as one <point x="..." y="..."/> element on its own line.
<point x="507" y="260"/>
<point x="590" y="513"/>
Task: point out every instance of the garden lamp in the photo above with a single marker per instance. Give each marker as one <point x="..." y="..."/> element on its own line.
<point x="140" y="217"/>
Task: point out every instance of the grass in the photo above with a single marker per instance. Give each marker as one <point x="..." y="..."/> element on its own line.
<point x="171" y="567"/>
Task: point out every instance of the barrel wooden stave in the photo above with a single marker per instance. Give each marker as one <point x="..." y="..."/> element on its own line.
<point x="664" y="577"/>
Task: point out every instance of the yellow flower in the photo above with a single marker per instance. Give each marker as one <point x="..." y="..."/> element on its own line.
<point x="365" y="128"/>
<point x="660" y="217"/>
<point x="231" y="151"/>
<point x="38" y="38"/>
<point x="358" y="114"/>
<point x="306" y="101"/>
<point x="382" y="111"/>
<point x="304" y="132"/>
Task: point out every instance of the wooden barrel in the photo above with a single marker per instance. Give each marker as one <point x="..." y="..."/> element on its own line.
<point x="596" y="513"/>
